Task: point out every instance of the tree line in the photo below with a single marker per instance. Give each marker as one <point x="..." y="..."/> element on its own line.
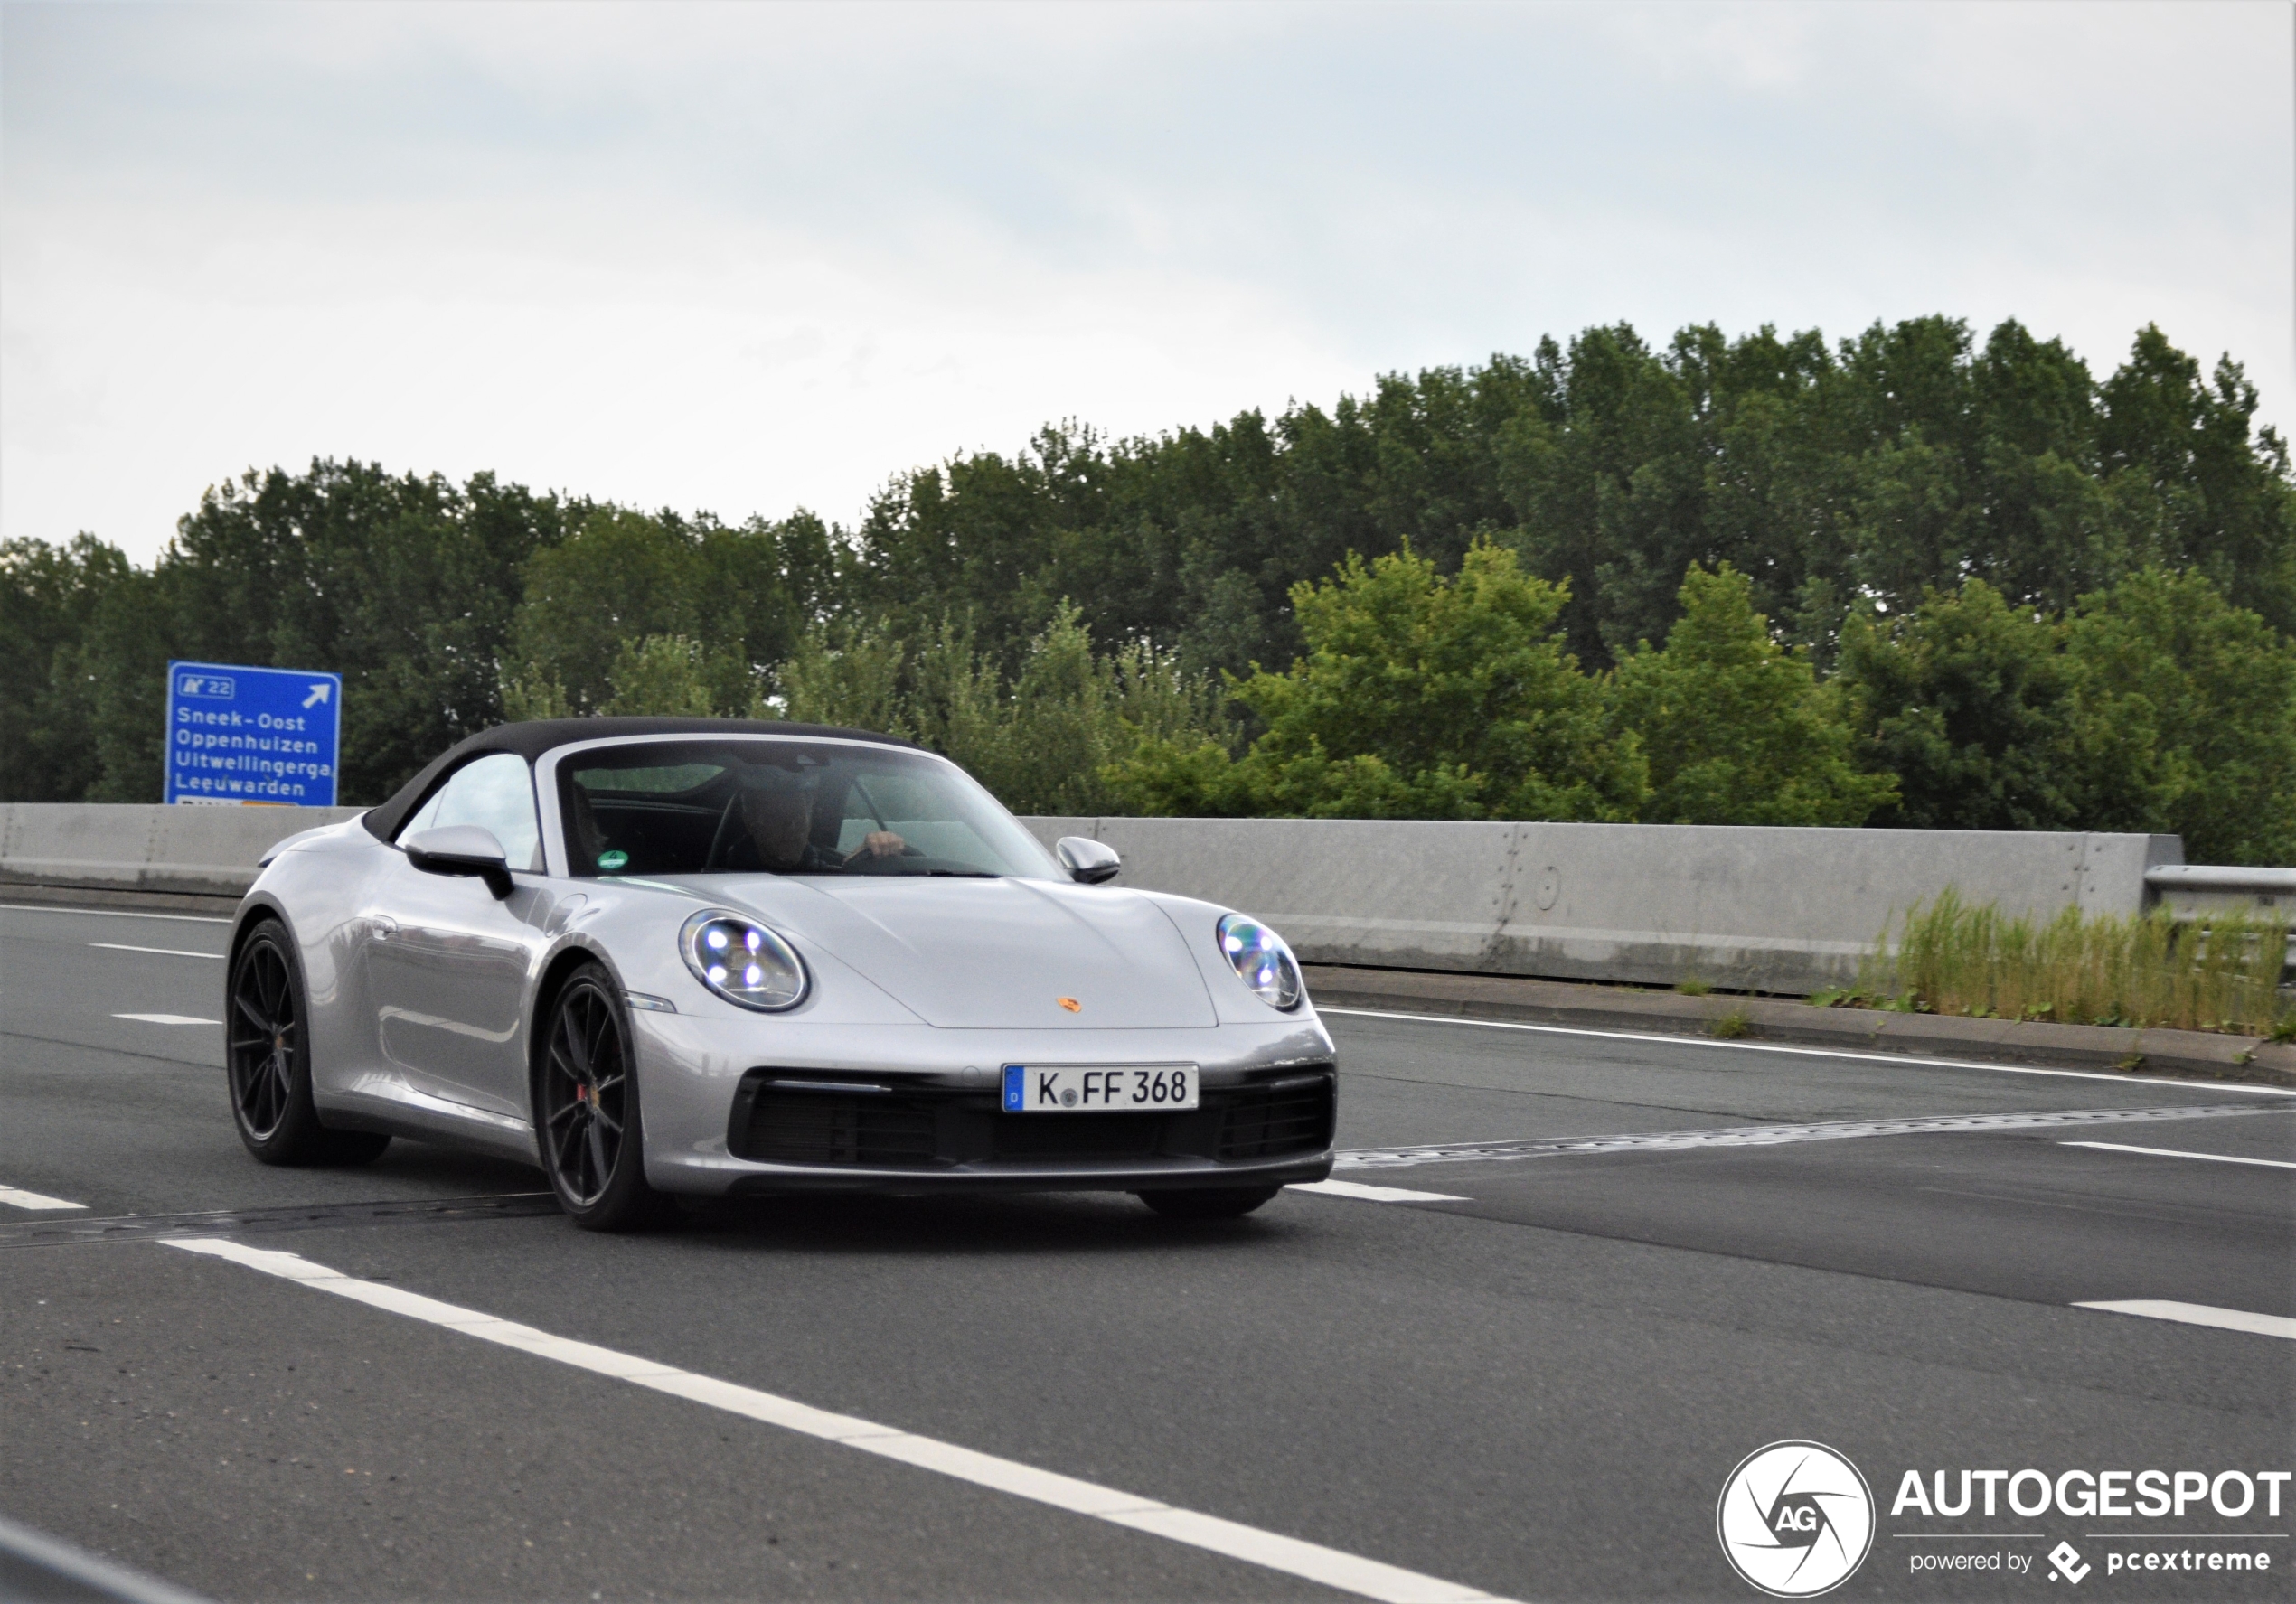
<point x="1905" y="578"/>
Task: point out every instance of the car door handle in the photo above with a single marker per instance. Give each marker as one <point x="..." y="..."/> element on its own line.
<point x="382" y="926"/>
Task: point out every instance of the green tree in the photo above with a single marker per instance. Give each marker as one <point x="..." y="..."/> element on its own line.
<point x="1047" y="741"/>
<point x="1962" y="699"/>
<point x="664" y="675"/>
<point x="740" y="598"/>
<point x="1418" y="697"/>
<point x="846" y="674"/>
<point x="1737" y="729"/>
<point x="50" y="599"/>
<point x="2182" y="719"/>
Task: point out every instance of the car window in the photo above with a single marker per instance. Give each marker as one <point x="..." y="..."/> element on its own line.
<point x="787" y="807"/>
<point x="495" y="794"/>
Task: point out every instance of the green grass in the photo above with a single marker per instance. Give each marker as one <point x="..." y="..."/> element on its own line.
<point x="1693" y="986"/>
<point x="2219" y="972"/>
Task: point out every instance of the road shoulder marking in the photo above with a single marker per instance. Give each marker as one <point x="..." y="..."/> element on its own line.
<point x="64" y="911"/>
<point x="163" y="952"/>
<point x="2250" y="1087"/>
<point x="1352" y="1574"/>
<point x="2121" y="1146"/>
<point x="2201" y="1314"/>
<point x="1760" y="1136"/>
<point x="1373" y="1194"/>
<point x="168" y="1019"/>
<point x="16" y="1198"/>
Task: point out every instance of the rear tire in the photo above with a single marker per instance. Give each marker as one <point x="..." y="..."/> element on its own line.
<point x="266" y="1057"/>
<point x="1207" y="1203"/>
<point x="587" y="1123"/>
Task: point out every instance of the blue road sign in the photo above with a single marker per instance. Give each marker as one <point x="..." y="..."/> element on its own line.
<point x="243" y="735"/>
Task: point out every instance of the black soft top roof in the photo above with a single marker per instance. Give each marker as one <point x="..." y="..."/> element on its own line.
<point x="530" y="741"/>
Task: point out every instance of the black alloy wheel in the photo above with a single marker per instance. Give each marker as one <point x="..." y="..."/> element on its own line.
<point x="1207" y="1203"/>
<point x="267" y="1060"/>
<point x="592" y="1140"/>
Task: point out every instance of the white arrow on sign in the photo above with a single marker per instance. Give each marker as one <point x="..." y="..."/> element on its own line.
<point x="319" y="693"/>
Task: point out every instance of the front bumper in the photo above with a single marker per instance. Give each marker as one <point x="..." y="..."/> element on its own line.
<point x="737" y="1107"/>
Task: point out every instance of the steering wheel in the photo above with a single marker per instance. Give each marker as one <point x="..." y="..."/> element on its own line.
<point x="730" y="833"/>
<point x="865" y="862"/>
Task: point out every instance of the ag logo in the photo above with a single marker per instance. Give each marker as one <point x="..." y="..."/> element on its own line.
<point x="1795" y="1519"/>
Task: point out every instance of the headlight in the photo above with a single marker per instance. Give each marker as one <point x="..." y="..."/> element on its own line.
<point x="743" y="961"/>
<point x="1261" y="961"/>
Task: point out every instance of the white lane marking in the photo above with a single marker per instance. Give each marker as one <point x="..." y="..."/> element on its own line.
<point x="1347" y="1572"/>
<point x="2121" y="1146"/>
<point x="2200" y="1314"/>
<point x="15" y="1198"/>
<point x="1763" y="1136"/>
<point x="27" y="908"/>
<point x="1373" y="1194"/>
<point x="1709" y="1041"/>
<point x="163" y="952"/>
<point x="168" y="1019"/>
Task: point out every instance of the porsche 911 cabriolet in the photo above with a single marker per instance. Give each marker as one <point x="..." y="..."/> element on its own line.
<point x="708" y="957"/>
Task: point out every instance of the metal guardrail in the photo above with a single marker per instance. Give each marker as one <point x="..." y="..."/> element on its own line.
<point x="2264" y="887"/>
<point x="2193" y="890"/>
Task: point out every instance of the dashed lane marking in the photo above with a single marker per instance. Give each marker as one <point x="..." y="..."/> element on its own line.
<point x="27" y="907"/>
<point x="2249" y="1087"/>
<point x="15" y="1198"/>
<point x="2201" y="1314"/>
<point x="1763" y="1136"/>
<point x="2118" y="1147"/>
<point x="163" y="952"/>
<point x="1347" y="1572"/>
<point x="1373" y="1194"/>
<point x="168" y="1019"/>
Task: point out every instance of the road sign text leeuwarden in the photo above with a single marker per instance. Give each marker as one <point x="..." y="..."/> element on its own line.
<point x="243" y="735"/>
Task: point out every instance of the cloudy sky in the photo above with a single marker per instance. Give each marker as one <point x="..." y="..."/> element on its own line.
<point x="748" y="257"/>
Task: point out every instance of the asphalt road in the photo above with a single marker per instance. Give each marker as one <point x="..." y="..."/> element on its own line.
<point x="1536" y="1387"/>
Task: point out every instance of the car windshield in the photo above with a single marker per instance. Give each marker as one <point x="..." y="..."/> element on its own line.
<point x="785" y="807"/>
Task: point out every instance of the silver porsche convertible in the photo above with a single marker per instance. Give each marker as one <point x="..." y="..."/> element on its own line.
<point x="698" y="956"/>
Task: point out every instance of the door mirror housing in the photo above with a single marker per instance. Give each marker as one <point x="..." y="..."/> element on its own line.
<point x="461" y="850"/>
<point x="1088" y="861"/>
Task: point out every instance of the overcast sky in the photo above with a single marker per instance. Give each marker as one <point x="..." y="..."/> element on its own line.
<point x="748" y="257"/>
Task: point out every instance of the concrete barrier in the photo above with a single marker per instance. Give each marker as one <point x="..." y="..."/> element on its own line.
<point x="1748" y="908"/>
<point x="1741" y="908"/>
<point x="184" y="851"/>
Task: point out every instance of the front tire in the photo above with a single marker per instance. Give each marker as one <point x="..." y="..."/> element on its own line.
<point x="1207" y="1203"/>
<point x="590" y="1129"/>
<point x="266" y="1057"/>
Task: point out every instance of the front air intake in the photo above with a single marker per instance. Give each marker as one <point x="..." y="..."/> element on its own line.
<point x="821" y="1124"/>
<point x="1292" y="1115"/>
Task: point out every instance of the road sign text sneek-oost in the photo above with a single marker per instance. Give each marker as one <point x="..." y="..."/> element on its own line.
<point x="246" y="735"/>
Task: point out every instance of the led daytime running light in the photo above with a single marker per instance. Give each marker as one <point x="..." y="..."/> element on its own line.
<point x="743" y="961"/>
<point x="1261" y="961"/>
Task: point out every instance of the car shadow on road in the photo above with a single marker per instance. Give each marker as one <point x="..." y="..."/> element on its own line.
<point x="1003" y="1225"/>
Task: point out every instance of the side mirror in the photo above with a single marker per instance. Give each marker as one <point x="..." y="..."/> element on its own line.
<point x="1088" y="861"/>
<point x="461" y="850"/>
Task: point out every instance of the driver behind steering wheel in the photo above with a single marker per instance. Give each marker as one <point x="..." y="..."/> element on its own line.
<point x="778" y="808"/>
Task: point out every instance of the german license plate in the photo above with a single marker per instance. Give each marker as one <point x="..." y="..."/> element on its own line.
<point x="1129" y="1088"/>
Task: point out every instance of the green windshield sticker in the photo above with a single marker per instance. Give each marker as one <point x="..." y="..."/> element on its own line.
<point x="611" y="861"/>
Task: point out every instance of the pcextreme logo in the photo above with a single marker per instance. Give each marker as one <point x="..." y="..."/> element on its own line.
<point x="1795" y="1519"/>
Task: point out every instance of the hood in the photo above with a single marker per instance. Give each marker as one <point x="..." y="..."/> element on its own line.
<point x="993" y="954"/>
